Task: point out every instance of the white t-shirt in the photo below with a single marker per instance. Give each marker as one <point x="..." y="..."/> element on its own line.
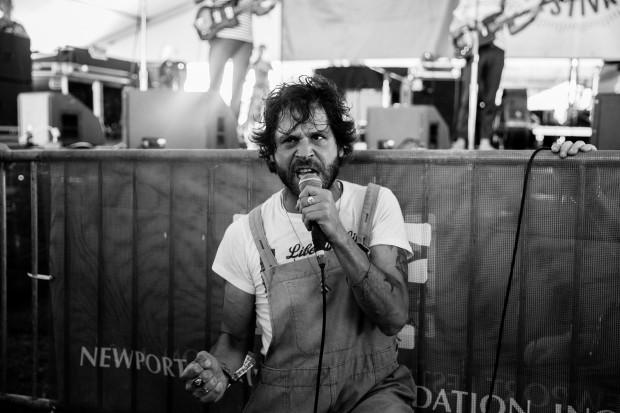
<point x="237" y="259"/>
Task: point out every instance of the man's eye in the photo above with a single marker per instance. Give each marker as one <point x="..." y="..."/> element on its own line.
<point x="318" y="137"/>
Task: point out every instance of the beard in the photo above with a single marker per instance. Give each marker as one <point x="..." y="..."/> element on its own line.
<point x="327" y="173"/>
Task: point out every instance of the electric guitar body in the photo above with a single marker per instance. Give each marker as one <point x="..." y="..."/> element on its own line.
<point x="209" y="21"/>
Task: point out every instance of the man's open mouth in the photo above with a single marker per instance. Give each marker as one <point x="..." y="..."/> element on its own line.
<point x="304" y="171"/>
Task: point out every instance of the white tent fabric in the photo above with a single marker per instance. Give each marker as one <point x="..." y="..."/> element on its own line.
<point x="314" y="29"/>
<point x="114" y="26"/>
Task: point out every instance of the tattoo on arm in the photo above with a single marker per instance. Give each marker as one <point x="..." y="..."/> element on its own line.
<point x="379" y="291"/>
<point x="402" y="263"/>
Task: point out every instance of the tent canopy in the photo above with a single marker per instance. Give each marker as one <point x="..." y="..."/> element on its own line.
<point x="317" y="29"/>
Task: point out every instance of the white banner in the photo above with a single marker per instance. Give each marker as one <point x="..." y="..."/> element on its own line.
<point x="571" y="28"/>
<point x="358" y="29"/>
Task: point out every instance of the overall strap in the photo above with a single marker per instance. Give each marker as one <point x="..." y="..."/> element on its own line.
<point x="368" y="211"/>
<point x="260" y="238"/>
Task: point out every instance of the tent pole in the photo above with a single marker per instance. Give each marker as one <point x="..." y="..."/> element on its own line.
<point x="143" y="74"/>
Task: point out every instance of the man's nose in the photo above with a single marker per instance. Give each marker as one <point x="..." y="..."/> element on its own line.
<point x="304" y="149"/>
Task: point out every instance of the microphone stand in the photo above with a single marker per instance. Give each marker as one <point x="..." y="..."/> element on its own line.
<point x="473" y="82"/>
<point x="473" y="90"/>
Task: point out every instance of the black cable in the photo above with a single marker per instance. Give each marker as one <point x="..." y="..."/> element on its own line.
<point x="318" y="374"/>
<point x="510" y="277"/>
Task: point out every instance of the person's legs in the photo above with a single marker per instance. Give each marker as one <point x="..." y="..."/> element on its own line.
<point x="395" y="394"/>
<point x="490" y="75"/>
<point x="241" y="62"/>
<point x="220" y="50"/>
<point x="460" y="139"/>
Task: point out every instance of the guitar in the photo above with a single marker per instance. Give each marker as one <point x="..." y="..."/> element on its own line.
<point x="210" y="20"/>
<point x="488" y="27"/>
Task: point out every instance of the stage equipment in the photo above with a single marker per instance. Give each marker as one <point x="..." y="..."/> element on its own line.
<point x="45" y="117"/>
<point x="186" y="120"/>
<point x="15" y="75"/>
<point x="609" y="77"/>
<point x="606" y="121"/>
<point x="91" y="77"/>
<point x="420" y="122"/>
<point x="437" y="83"/>
<point x="514" y="120"/>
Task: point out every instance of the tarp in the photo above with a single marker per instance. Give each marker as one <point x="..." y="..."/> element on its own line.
<point x="133" y="235"/>
<point x="573" y="29"/>
<point x="361" y="29"/>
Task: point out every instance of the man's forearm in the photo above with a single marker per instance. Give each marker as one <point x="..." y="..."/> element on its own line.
<point x="380" y="295"/>
<point x="230" y="351"/>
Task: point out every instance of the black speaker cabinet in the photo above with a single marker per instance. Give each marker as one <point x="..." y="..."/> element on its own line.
<point x="15" y="75"/>
<point x="606" y="121"/>
<point x="186" y="120"/>
<point x="444" y="95"/>
<point x="514" y="120"/>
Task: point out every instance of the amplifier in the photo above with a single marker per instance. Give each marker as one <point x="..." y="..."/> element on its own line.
<point x="39" y="112"/>
<point x="421" y="123"/>
<point x="606" y="121"/>
<point x="185" y="120"/>
<point x="444" y="95"/>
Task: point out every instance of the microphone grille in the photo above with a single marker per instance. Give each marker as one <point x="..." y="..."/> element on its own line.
<point x="310" y="179"/>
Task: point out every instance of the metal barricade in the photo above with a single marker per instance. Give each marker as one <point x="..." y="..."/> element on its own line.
<point x="132" y="233"/>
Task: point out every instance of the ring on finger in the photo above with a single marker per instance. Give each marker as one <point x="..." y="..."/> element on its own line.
<point x="198" y="382"/>
<point x="310" y="200"/>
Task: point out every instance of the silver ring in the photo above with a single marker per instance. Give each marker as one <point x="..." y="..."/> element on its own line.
<point x="198" y="382"/>
<point x="310" y="200"/>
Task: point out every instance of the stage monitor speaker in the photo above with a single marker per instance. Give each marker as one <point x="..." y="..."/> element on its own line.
<point x="40" y="111"/>
<point x="186" y="120"/>
<point x="421" y="123"/>
<point x="514" y="120"/>
<point x="9" y="91"/>
<point x="444" y="95"/>
<point x="606" y="121"/>
<point x="15" y="75"/>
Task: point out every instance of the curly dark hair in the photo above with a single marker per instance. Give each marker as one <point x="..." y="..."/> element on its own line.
<point x="298" y="99"/>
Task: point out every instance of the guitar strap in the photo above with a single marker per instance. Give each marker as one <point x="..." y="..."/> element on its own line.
<point x="502" y="6"/>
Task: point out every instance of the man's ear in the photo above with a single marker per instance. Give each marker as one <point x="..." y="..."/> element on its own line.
<point x="271" y="163"/>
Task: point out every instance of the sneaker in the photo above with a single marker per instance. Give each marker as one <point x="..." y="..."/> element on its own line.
<point x="485" y="145"/>
<point x="458" y="144"/>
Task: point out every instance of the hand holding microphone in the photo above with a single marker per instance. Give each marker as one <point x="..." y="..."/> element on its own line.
<point x="318" y="237"/>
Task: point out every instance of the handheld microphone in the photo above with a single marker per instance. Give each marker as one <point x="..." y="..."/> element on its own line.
<point x="318" y="238"/>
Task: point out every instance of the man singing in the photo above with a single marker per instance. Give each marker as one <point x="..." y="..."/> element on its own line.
<point x="272" y="272"/>
<point x="270" y="266"/>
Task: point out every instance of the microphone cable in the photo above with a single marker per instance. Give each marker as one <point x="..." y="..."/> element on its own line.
<point x="324" y="296"/>
<point x="510" y="277"/>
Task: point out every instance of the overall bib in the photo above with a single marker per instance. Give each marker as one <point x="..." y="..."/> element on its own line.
<point x="360" y="372"/>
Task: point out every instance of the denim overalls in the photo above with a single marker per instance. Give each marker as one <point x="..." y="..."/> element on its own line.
<point x="358" y="361"/>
